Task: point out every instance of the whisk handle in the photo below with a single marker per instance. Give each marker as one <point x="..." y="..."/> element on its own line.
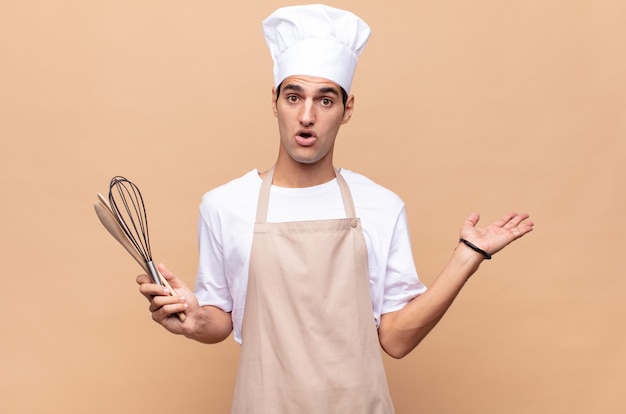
<point x="160" y="280"/>
<point x="154" y="273"/>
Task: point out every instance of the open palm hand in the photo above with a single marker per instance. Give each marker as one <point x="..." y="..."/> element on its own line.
<point x="497" y="235"/>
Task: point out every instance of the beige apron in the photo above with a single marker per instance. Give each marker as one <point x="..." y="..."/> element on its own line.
<point x="310" y="344"/>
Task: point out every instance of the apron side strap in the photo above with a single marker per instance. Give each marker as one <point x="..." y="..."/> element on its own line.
<point x="346" y="195"/>
<point x="264" y="197"/>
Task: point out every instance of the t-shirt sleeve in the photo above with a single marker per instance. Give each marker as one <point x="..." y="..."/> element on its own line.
<point x="401" y="280"/>
<point x="211" y="282"/>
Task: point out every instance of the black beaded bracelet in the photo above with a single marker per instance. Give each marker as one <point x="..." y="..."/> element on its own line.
<point x="477" y="249"/>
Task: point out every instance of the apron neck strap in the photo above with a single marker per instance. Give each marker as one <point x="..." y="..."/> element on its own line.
<point x="266" y="185"/>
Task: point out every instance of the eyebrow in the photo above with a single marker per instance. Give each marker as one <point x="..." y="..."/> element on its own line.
<point x="329" y="89"/>
<point x="298" y="88"/>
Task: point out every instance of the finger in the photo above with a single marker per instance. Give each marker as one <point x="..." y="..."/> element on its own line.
<point x="514" y="221"/>
<point x="525" y="227"/>
<point x="143" y="278"/>
<point x="504" y="220"/>
<point x="522" y="227"/>
<point x="150" y="290"/>
<point x="147" y="287"/>
<point x="170" y="277"/>
<point x="165" y="271"/>
<point x="162" y="314"/>
<point x="517" y="220"/>
<point x="159" y="302"/>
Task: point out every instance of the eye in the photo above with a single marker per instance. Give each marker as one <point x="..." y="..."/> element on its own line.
<point x="292" y="98"/>
<point x="326" y="101"/>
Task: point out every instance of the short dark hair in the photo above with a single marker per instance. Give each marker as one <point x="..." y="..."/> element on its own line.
<point x="344" y="94"/>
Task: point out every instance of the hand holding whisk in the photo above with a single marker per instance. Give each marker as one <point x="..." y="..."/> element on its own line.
<point x="124" y="216"/>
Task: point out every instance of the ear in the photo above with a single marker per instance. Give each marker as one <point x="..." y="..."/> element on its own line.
<point x="274" y="98"/>
<point x="347" y="112"/>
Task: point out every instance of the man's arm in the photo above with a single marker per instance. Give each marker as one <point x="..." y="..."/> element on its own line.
<point x="401" y="331"/>
<point x="206" y="324"/>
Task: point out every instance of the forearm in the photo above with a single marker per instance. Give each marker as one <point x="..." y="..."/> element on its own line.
<point x="401" y="331"/>
<point x="209" y="325"/>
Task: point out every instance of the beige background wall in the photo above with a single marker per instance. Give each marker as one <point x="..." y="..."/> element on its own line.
<point x="484" y="105"/>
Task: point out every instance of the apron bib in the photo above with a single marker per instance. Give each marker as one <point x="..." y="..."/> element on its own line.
<point x="310" y="344"/>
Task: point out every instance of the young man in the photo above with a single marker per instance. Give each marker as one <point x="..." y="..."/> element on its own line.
<point x="309" y="265"/>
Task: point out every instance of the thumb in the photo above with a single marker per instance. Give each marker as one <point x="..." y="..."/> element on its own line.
<point x="472" y="220"/>
<point x="170" y="277"/>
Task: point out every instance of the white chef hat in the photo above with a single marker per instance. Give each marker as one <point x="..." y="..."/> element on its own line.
<point x="315" y="40"/>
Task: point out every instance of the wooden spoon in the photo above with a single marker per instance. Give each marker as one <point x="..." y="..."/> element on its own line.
<point x="108" y="220"/>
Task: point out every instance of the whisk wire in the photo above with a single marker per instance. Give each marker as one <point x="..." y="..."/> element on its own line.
<point x="131" y="214"/>
<point x="127" y="206"/>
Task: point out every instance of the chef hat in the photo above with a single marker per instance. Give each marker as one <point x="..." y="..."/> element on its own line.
<point x="315" y="40"/>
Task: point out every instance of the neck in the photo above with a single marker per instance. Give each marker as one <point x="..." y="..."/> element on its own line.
<point x="297" y="175"/>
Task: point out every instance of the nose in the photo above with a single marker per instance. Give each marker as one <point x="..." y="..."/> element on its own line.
<point x="307" y="115"/>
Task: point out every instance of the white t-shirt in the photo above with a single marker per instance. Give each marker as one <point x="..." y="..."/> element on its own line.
<point x="226" y="224"/>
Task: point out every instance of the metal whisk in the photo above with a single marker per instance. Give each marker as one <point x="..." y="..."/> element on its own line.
<point x="129" y="210"/>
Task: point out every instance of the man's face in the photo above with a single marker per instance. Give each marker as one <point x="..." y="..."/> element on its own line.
<point x="310" y="111"/>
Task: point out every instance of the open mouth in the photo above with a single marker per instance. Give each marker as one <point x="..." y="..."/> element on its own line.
<point x="305" y="133"/>
<point x="305" y="138"/>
